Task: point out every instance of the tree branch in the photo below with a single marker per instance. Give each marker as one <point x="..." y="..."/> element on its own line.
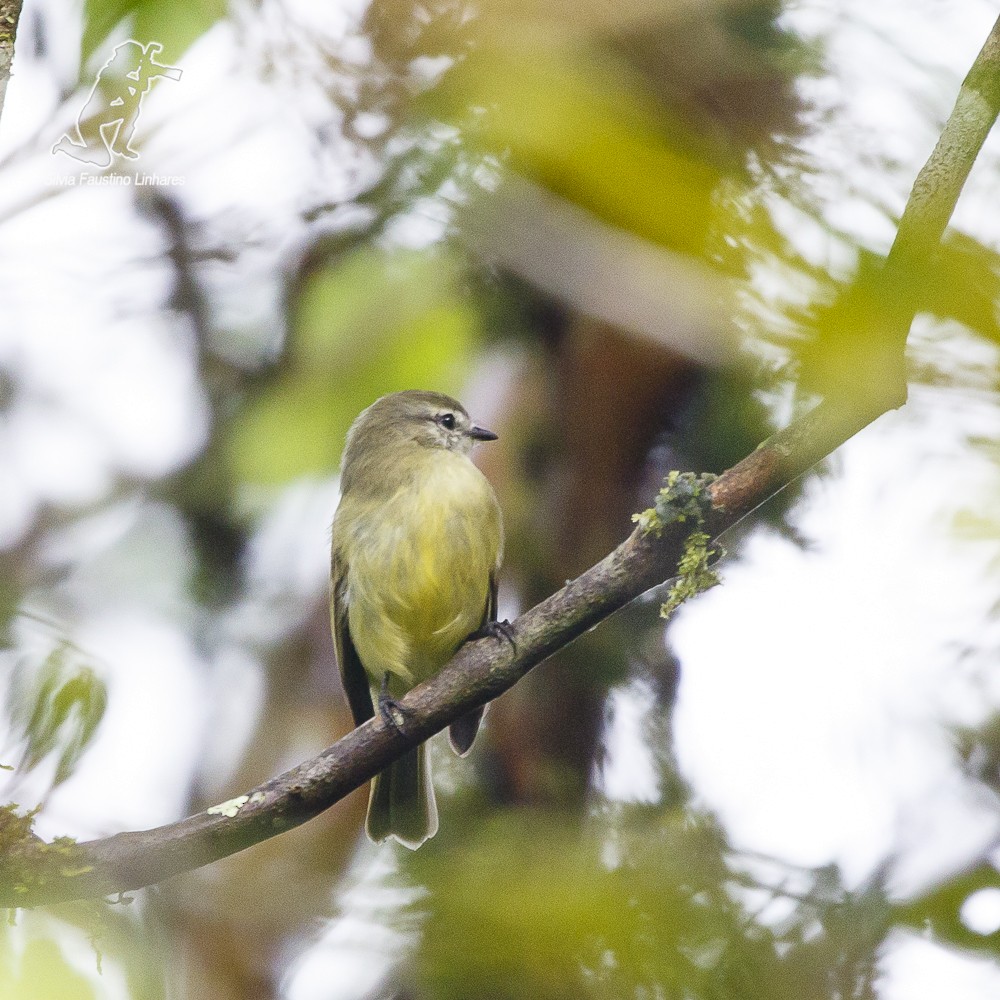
<point x="10" y="14"/>
<point x="478" y="673"/>
<point x="482" y="670"/>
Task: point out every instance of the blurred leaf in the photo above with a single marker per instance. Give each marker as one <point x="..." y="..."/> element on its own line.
<point x="343" y="311"/>
<point x="41" y="972"/>
<point x="289" y="430"/>
<point x="583" y="18"/>
<point x="175" y="26"/>
<point x="853" y="341"/>
<point x="976" y="526"/>
<point x="120" y="941"/>
<point x="522" y="907"/>
<point x="58" y="709"/>
<point x="586" y="129"/>
<point x="79" y="705"/>
<point x="99" y="19"/>
<point x="963" y="283"/>
<point x="376" y="324"/>
<point x="938" y="911"/>
<point x="80" y="950"/>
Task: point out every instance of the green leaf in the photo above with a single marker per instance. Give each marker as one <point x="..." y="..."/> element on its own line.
<point x="175" y="26"/>
<point x="586" y="129"/>
<point x="58" y="709"/>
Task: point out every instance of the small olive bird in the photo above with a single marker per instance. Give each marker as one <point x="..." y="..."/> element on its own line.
<point x="417" y="544"/>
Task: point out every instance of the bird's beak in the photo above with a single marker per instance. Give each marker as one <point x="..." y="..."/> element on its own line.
<point x="482" y="434"/>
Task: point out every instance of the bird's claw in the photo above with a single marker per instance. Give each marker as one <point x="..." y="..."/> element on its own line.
<point x="496" y="630"/>
<point x="393" y="713"/>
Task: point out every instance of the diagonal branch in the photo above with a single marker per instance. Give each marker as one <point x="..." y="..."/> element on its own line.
<point x="485" y="669"/>
<point x="478" y="673"/>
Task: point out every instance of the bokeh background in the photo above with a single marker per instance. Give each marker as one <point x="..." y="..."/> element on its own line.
<point x="632" y="237"/>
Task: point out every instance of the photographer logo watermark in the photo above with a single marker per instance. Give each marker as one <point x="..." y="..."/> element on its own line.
<point x="106" y="125"/>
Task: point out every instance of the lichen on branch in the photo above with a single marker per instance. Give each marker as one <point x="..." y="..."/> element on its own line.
<point x="684" y="496"/>
<point x="695" y="575"/>
<point x="28" y="863"/>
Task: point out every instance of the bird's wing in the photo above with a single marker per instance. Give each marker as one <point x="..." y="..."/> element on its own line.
<point x="463" y="730"/>
<point x="491" y="600"/>
<point x="352" y="672"/>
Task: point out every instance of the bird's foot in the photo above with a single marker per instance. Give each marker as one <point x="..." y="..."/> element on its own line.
<point x="393" y="713"/>
<point x="496" y="630"/>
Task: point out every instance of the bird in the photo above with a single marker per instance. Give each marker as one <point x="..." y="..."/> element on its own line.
<point x="417" y="545"/>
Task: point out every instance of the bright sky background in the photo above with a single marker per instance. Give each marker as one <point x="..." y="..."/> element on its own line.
<point x="855" y="727"/>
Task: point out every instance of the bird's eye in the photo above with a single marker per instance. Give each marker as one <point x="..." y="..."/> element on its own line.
<point x="447" y="421"/>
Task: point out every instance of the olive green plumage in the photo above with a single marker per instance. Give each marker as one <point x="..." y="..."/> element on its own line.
<point x="417" y="544"/>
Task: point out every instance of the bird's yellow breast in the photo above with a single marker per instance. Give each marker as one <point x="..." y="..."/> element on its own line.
<point x="419" y="567"/>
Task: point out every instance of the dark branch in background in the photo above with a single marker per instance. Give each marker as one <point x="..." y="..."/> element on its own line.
<point x="485" y="669"/>
<point x="10" y="14"/>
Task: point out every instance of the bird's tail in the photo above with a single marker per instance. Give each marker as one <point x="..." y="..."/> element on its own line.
<point x="401" y="803"/>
